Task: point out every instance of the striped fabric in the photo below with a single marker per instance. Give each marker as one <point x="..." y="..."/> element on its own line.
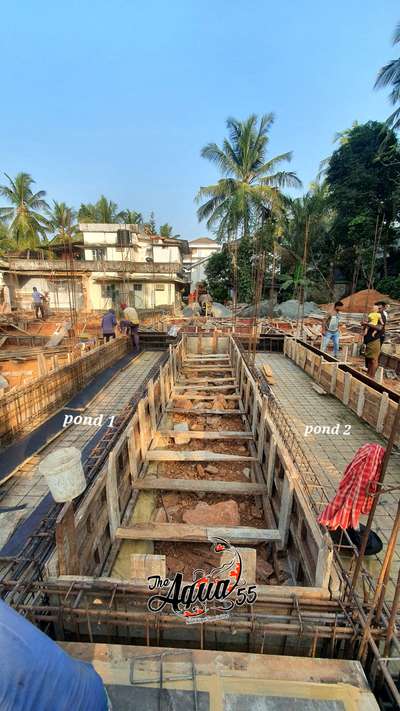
<point x="353" y="497"/>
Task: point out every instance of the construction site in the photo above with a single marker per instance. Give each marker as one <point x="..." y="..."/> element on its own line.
<point x="219" y="444"/>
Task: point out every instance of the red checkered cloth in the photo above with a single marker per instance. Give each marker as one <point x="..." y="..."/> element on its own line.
<point x="355" y="494"/>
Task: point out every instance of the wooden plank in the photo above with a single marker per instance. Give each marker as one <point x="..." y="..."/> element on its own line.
<point x="215" y="379"/>
<point x="271" y="464"/>
<point x="214" y="368"/>
<point x="209" y="356"/>
<point x="383" y="409"/>
<point x="347" y="387"/>
<point x="162" y="389"/>
<point x="361" y="400"/>
<point x="204" y="397"/>
<point x="205" y="387"/>
<point x="132" y="454"/>
<point x="182" y="532"/>
<point x="182" y="411"/>
<point x="114" y="514"/>
<point x="239" y="488"/>
<point x="66" y="542"/>
<point x="168" y="455"/>
<point x="207" y="434"/>
<point x="142" y="428"/>
<point x="261" y="430"/>
<point x="152" y="407"/>
<point x="145" y="565"/>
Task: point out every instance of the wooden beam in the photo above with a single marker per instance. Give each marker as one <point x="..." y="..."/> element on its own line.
<point x="207" y="434"/>
<point x="182" y="411"/>
<point x="114" y="514"/>
<point x="216" y="486"/>
<point x="169" y="455"/>
<point x="204" y="397"/>
<point x="215" y="379"/>
<point x="383" y="408"/>
<point x="205" y="387"/>
<point x="152" y="407"/>
<point x="217" y="368"/>
<point x="187" y="533"/>
<point x="66" y="542"/>
<point x="210" y="356"/>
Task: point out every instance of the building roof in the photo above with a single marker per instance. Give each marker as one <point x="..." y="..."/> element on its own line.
<point x="204" y="240"/>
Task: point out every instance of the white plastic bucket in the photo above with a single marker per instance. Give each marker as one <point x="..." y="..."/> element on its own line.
<point x="63" y="472"/>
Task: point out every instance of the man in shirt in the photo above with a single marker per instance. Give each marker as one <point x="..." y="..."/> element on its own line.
<point x="384" y="316"/>
<point x="37" y="302"/>
<point x="108" y="324"/>
<point x="131" y="323"/>
<point x="330" y="329"/>
<point x="37" y="675"/>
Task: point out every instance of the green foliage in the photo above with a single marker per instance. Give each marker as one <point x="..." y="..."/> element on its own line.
<point x="390" y="286"/>
<point x="363" y="181"/>
<point x="62" y="220"/>
<point x="219" y="275"/>
<point x="389" y="75"/>
<point x="131" y="217"/>
<point x="26" y="223"/>
<point x="103" y="211"/>
<point x="250" y="190"/>
<point x="150" y="226"/>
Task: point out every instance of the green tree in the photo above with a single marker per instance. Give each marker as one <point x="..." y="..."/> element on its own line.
<point x="24" y="217"/>
<point x="62" y="221"/>
<point x="7" y="244"/>
<point x="131" y="217"/>
<point x="251" y="186"/>
<point x="389" y="75"/>
<point x="166" y="230"/>
<point x="104" y="211"/>
<point x="219" y="276"/>
<point x="363" y="181"/>
<point x="150" y="226"/>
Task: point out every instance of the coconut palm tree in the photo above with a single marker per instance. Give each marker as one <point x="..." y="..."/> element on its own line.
<point x="26" y="223"/>
<point x="251" y="187"/>
<point x="389" y="75"/>
<point x="103" y="211"/>
<point x="62" y="221"/>
<point x="131" y="217"/>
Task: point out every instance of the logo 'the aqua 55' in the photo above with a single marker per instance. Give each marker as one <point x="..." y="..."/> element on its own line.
<point x="210" y="595"/>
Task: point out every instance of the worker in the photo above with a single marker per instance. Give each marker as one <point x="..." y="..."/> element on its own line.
<point x="372" y="342"/>
<point x="205" y="302"/>
<point x="382" y="307"/>
<point x="130" y="323"/>
<point x="330" y="329"/>
<point x="37" y="675"/>
<point x="37" y="302"/>
<point x="108" y="324"/>
<point x="374" y="318"/>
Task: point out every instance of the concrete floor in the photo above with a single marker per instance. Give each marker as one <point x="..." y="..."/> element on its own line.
<point x="329" y="454"/>
<point x="27" y="486"/>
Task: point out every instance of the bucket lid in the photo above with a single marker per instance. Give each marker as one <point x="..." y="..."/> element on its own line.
<point x="60" y="459"/>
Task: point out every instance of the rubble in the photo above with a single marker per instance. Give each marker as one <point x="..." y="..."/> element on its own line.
<point x="226" y="513"/>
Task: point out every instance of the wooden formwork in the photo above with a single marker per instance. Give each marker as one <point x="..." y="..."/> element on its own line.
<point x="89" y="541"/>
<point x="38" y="399"/>
<point x="372" y="404"/>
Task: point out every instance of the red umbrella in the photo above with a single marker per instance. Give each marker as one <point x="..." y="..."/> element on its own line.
<point x="355" y="494"/>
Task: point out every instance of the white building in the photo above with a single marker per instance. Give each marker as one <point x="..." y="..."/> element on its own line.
<point x="200" y="250"/>
<point x="114" y="264"/>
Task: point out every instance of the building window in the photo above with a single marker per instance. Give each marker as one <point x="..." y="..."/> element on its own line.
<point x="110" y="291"/>
<point x="160" y="287"/>
<point x="98" y="254"/>
<point x="137" y="287"/>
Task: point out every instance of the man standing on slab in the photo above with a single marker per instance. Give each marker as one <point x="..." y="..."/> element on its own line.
<point x="37" y="302"/>
<point x="330" y="329"/>
<point x="131" y="323"/>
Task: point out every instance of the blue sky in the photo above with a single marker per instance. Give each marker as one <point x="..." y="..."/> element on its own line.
<point x="119" y="97"/>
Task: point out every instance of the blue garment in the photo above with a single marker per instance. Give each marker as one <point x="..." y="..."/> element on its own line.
<point x="108" y="322"/>
<point x="37" y="675"/>
<point x="334" y="336"/>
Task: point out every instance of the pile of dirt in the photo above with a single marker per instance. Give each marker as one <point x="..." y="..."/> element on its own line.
<point x="362" y="301"/>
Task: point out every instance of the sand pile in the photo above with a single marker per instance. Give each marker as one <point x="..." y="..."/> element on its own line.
<point x="362" y="301"/>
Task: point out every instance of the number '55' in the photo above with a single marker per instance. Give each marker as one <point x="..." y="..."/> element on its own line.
<point x="248" y="595"/>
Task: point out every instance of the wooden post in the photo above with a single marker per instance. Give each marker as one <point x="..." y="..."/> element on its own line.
<point x="142" y="428"/>
<point x="346" y="390"/>
<point x="133" y="467"/>
<point x="379" y="375"/>
<point x="67" y="549"/>
<point x="285" y="510"/>
<point x="361" y="400"/>
<point x="271" y="465"/>
<point x="254" y="413"/>
<point x="354" y="349"/>
<point x="152" y="407"/>
<point x="162" y="389"/>
<point x="345" y="354"/>
<point x="261" y="430"/>
<point x="333" y="378"/>
<point x="324" y="564"/>
<point x="114" y="514"/>
<point x="383" y="408"/>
